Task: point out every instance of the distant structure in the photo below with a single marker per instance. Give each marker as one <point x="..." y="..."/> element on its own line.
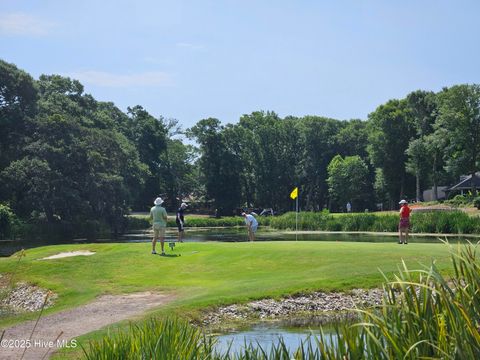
<point x="464" y="186"/>
<point x="441" y="195"/>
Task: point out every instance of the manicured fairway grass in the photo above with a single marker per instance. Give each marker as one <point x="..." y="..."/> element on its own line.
<point x="209" y="274"/>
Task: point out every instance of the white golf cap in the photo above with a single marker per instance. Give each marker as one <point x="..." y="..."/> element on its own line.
<point x="158" y="201"/>
<point x="403" y="201"/>
<point x="183" y="205"/>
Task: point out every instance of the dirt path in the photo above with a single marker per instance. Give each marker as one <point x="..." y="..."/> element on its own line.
<point x="103" y="311"/>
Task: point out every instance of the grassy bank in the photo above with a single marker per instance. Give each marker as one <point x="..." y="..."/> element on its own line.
<point x="210" y="274"/>
<point x="423" y="315"/>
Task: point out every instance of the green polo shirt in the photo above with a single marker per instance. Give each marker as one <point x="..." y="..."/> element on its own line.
<point x="159" y="215"/>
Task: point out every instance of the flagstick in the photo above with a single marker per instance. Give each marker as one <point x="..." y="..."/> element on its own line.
<point x="296" y="221"/>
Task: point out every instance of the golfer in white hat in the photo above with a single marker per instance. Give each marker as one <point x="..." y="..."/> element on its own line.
<point x="158" y="214"/>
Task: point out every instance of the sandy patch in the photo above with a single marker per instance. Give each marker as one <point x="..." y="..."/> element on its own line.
<point x="69" y="254"/>
<point x="68" y="324"/>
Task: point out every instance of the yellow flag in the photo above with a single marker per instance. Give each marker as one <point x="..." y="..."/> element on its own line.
<point x="294" y="193"/>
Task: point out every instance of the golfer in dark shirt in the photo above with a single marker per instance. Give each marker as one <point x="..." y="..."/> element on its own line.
<point x="180" y="220"/>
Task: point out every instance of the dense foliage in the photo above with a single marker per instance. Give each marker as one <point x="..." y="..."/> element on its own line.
<point x="66" y="157"/>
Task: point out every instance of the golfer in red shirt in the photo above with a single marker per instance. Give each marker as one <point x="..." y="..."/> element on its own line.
<point x="404" y="224"/>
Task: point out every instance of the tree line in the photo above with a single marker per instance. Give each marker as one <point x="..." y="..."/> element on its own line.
<point x="405" y="146"/>
<point x="67" y="157"/>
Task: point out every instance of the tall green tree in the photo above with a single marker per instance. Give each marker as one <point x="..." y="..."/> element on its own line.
<point x="150" y="138"/>
<point x="318" y="145"/>
<point x="241" y="142"/>
<point x="220" y="168"/>
<point x="177" y="166"/>
<point x="435" y="144"/>
<point x="352" y="138"/>
<point x="76" y="166"/>
<point x="423" y="108"/>
<point x="276" y="152"/>
<point x="18" y="105"/>
<point x="459" y="115"/>
<point x="348" y="182"/>
<point x="391" y="128"/>
<point x="417" y="162"/>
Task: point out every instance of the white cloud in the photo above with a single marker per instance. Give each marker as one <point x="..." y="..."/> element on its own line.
<point x="24" y="24"/>
<point x="100" y="78"/>
<point x="190" y="46"/>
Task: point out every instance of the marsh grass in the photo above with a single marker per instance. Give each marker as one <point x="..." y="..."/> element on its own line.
<point x="423" y="316"/>
<point x="452" y="222"/>
<point x="436" y="222"/>
<point x="169" y="339"/>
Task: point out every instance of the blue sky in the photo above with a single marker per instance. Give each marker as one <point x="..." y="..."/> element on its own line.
<point x="195" y="59"/>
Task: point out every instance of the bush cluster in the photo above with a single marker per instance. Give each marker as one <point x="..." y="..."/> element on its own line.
<point x="9" y="223"/>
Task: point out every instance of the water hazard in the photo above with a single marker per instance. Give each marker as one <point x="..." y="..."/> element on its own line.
<point x="220" y="234"/>
<point x="268" y="334"/>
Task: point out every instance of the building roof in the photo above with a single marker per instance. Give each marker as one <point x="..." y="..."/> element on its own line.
<point x="466" y="183"/>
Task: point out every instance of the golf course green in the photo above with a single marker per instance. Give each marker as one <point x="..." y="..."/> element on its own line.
<point x="210" y="274"/>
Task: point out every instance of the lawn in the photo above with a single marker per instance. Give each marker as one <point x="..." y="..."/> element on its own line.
<point x="210" y="274"/>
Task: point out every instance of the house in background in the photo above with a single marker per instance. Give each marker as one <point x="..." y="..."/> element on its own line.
<point x="441" y="195"/>
<point x="464" y="186"/>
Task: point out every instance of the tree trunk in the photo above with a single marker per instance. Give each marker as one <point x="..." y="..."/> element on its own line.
<point x="417" y="180"/>
<point x="435" y="187"/>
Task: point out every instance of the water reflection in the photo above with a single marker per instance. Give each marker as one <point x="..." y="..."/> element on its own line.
<point x="268" y="334"/>
<point x="220" y="234"/>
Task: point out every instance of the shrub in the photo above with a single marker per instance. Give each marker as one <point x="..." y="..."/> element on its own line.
<point x="8" y="222"/>
<point x="476" y="202"/>
<point x="459" y="200"/>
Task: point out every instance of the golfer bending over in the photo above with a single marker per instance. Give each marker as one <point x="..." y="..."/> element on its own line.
<point x="159" y="216"/>
<point x="252" y="225"/>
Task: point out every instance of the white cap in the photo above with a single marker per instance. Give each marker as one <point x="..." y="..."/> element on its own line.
<point x="183" y="205"/>
<point x="158" y="201"/>
<point x="403" y="202"/>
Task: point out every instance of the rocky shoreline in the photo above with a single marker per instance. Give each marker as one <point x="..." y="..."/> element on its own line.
<point x="317" y="307"/>
<point x="25" y="298"/>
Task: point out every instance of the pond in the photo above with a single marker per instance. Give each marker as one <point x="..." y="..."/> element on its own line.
<point x="221" y="234"/>
<point x="267" y="334"/>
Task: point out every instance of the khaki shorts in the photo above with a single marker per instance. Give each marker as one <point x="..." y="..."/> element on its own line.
<point x="158" y="230"/>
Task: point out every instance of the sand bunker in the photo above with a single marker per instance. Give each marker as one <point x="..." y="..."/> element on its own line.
<point x="69" y="254"/>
